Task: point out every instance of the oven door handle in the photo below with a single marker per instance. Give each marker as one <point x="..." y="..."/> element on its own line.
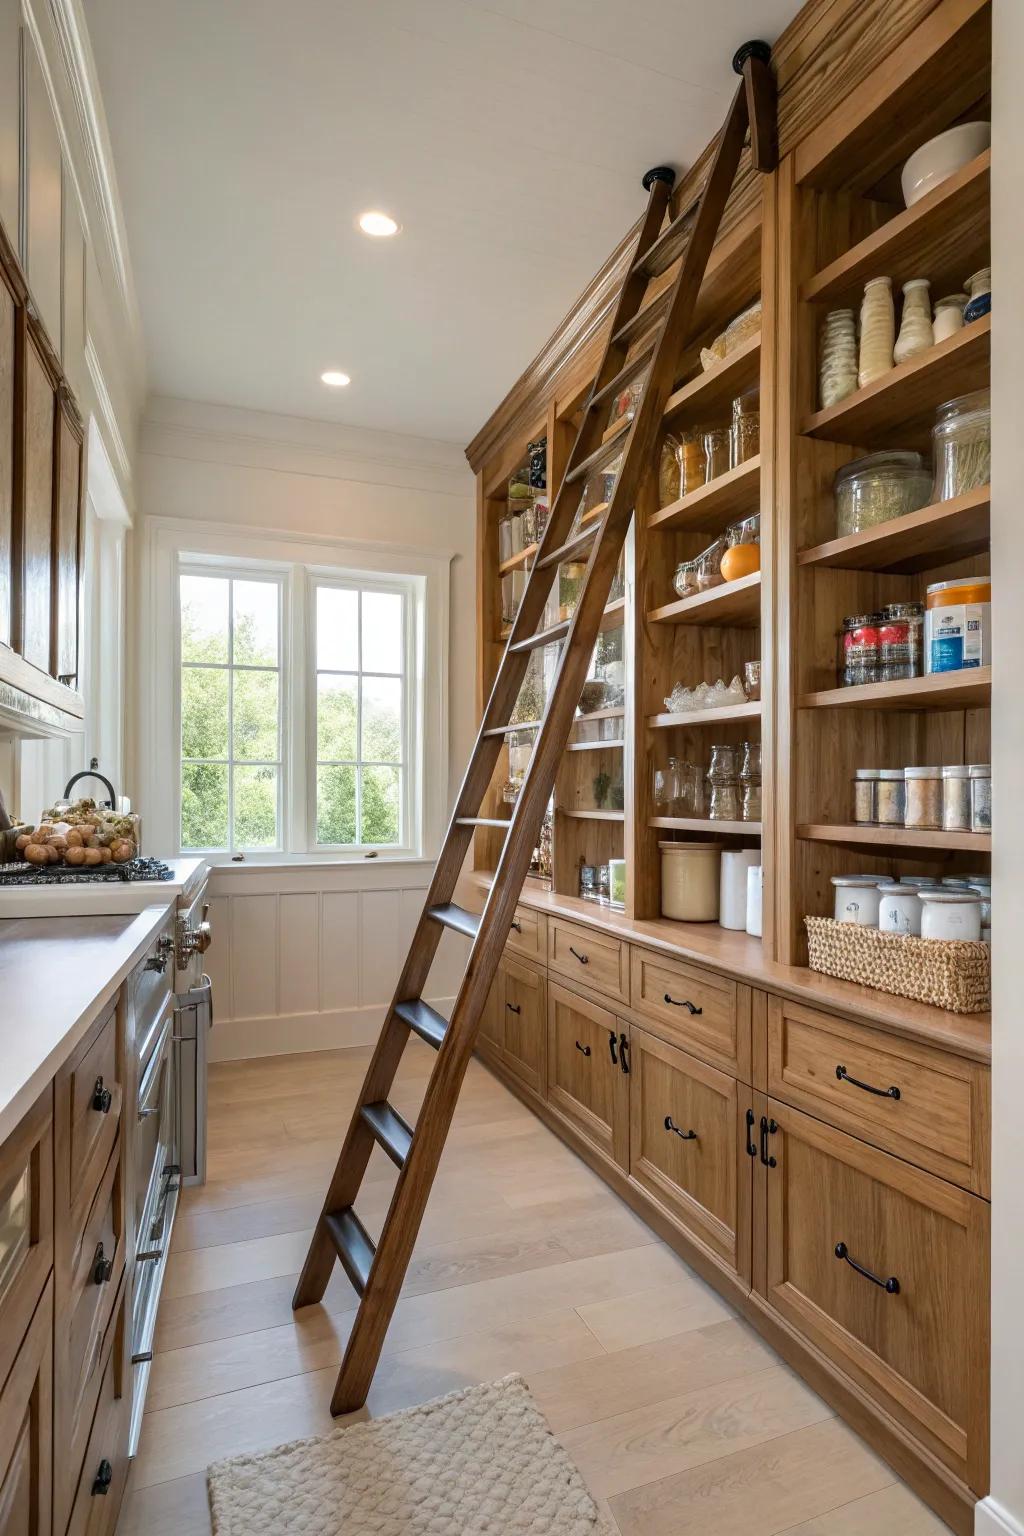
<point x="149" y="1087"/>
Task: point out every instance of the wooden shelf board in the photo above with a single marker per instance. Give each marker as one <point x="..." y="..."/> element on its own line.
<point x="920" y="541"/>
<point x="717" y="504"/>
<point x="970" y="689"/>
<point x="944" y="236"/>
<point x="593" y="746"/>
<point x="733" y="603"/>
<point x="706" y="394"/>
<point x="515" y="561"/>
<point x="601" y="714"/>
<point x="900" y="406"/>
<point x="704" y="824"/>
<point x="591" y="815"/>
<point x="896" y="837"/>
<point x="614" y="614"/>
<point x="749" y="711"/>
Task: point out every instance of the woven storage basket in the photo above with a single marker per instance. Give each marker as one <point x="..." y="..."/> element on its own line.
<point x="950" y="973"/>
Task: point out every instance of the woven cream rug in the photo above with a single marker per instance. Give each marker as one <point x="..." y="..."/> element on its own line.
<point x="475" y="1463"/>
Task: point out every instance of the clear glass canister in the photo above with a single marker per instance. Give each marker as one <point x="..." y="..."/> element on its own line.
<point x="725" y="763"/>
<point x="879" y="487"/>
<point x="956" y="797"/>
<point x="692" y="461"/>
<point x="745" y="433"/>
<point x="981" y="797"/>
<point x="865" y="789"/>
<point x="923" y="812"/>
<point x="900" y="642"/>
<point x="716" y="453"/>
<point x="962" y="445"/>
<point x="890" y="797"/>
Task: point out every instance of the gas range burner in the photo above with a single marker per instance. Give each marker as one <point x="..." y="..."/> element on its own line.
<point x="100" y="874"/>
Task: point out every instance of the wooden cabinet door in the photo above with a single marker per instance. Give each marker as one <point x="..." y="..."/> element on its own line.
<point x="525" y="1024"/>
<point x="36" y="568"/>
<point x="885" y="1269"/>
<point x="26" y="1438"/>
<point x="688" y="1145"/>
<point x="586" y="1083"/>
<point x="8" y="335"/>
<point x="26" y="1224"/>
<point x="492" y="1022"/>
<point x="67" y="543"/>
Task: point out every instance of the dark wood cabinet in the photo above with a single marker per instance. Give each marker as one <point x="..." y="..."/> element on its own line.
<point x="67" y="544"/>
<point x="36" y="541"/>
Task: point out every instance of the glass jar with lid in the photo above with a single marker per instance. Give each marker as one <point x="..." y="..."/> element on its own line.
<point x="859" y="643"/>
<point x="923" y="811"/>
<point x="865" y="790"/>
<point x="879" y="487"/>
<point x="956" y="797"/>
<point x="890" y="797"/>
<point x="900" y="641"/>
<point x="724" y="764"/>
<point x="981" y="797"/>
<point x="962" y="445"/>
<point x="716" y="452"/>
<point x="745" y="433"/>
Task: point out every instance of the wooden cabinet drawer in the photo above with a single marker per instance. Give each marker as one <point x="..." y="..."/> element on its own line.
<point x="586" y="1084"/>
<point x="528" y="934"/>
<point x="524" y="1044"/>
<point x="89" y="1095"/>
<point x="26" y="1224"/>
<point x="885" y="1269"/>
<point x="688" y="1145"/>
<point x="926" y="1106"/>
<point x="693" y="1008"/>
<point x="26" y="1442"/>
<point x="593" y="959"/>
<point x="104" y="1465"/>
<point x="86" y="1281"/>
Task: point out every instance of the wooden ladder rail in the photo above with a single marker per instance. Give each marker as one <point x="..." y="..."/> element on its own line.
<point x="377" y="1272"/>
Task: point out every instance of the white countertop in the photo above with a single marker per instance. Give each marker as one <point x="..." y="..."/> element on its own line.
<point x="56" y="974"/>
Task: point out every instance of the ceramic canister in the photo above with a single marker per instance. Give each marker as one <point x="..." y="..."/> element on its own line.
<point x="857" y="899"/>
<point x="755" y="900"/>
<point x="732" y="907"/>
<point x="899" y="910"/>
<point x="950" y="915"/>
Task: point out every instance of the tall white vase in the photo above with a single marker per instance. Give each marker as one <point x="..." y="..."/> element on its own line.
<point x="877" y="330"/>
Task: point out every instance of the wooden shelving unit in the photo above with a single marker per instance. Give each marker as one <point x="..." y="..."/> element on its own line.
<point x="734" y="602"/>
<point x="714" y="506"/>
<point x="942" y="690"/>
<point x="935" y="535"/>
<point x="898" y="838"/>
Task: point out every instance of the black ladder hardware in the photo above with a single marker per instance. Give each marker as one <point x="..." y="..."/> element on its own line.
<point x="751" y="1143"/>
<point x="658" y="331"/>
<point x="882" y="1093"/>
<point x="670" y="1125"/>
<point x="890" y="1286"/>
<point x="684" y="1002"/>
<point x="584" y="1048"/>
<point x="768" y="1128"/>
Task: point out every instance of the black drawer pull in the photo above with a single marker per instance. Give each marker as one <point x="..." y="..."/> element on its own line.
<point x="583" y="959"/>
<point x="684" y="1003"/>
<point x="890" y="1286"/>
<point x="584" y="1048"/>
<point x="882" y="1093"/>
<point x="102" y="1267"/>
<point x="624" y="1052"/>
<point x="670" y="1125"/>
<point x="102" y="1098"/>
<point x="513" y="1008"/>
<point x="751" y="1144"/>
<point x="517" y="925"/>
<point x="612" y="1042"/>
<point x="768" y="1128"/>
<point x="103" y="1479"/>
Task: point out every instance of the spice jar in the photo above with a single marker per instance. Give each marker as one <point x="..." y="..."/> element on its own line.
<point x="685" y="580"/>
<point x="745" y="435"/>
<point x="856" y="900"/>
<point x="860" y="643"/>
<point x="962" y="445"/>
<point x="877" y="330"/>
<point x="865" y="791"/>
<point x="949" y="316"/>
<point x="899" y="910"/>
<point x="878" y="487"/>
<point x="950" y="915"/>
<point x="890" y="797"/>
<point x="923" y="811"/>
<point x="981" y="797"/>
<point x="900" y="641"/>
<point x="716" y="453"/>
<point x="916" y="333"/>
<point x="956" y="797"/>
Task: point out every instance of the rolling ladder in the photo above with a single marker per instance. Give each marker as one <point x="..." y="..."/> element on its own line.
<point x="377" y="1271"/>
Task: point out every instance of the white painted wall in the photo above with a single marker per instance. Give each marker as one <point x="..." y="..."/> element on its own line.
<point x="1003" y="1512"/>
<point x="306" y="957"/>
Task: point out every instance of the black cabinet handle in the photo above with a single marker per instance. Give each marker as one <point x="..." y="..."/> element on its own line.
<point x="670" y="1125"/>
<point x="517" y="925"/>
<point x="882" y="1093"/>
<point x="683" y="1003"/>
<point x="890" y="1286"/>
<point x="768" y="1128"/>
<point x="612" y="1042"/>
<point x="103" y="1479"/>
<point x="102" y="1098"/>
<point x="102" y="1268"/>
<point x="513" y="1008"/>
<point x="584" y="1048"/>
<point x="624" y="1052"/>
<point x="751" y="1144"/>
<point x="583" y="959"/>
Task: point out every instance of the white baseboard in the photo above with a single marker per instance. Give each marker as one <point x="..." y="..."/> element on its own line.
<point x="991" y="1519"/>
<point x="283" y="1035"/>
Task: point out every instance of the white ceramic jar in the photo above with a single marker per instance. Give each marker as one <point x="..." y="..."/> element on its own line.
<point x="916" y="334"/>
<point x="689" y="881"/>
<point x="755" y="900"/>
<point x="877" y="331"/>
<point x="949" y="316"/>
<point x="948" y="914"/>
<point x="732" y="907"/>
<point x="899" y="910"/>
<point x="857" y="899"/>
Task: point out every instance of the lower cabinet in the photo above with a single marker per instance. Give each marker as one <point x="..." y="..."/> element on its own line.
<point x="492" y="1023"/>
<point x="588" y="1071"/>
<point x="26" y="1402"/>
<point x="885" y="1268"/>
<point x="688" y="1145"/>
<point x="104" y="1470"/>
<point x="525" y="1024"/>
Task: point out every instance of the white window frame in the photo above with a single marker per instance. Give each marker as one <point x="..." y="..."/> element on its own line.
<point x="169" y="544"/>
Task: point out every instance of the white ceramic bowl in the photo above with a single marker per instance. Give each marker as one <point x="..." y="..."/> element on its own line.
<point x="941" y="157"/>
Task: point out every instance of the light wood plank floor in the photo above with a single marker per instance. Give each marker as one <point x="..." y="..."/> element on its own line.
<point x="680" y="1419"/>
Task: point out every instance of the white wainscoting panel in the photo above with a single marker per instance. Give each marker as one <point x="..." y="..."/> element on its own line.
<point x="306" y="958"/>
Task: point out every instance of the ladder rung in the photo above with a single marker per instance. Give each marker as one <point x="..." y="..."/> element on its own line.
<point x="510" y="730"/>
<point x="354" y="1245"/>
<point x="423" y="1020"/>
<point x="644" y="319"/>
<point x="626" y="373"/>
<point x="543" y="637"/>
<point x="670" y="244"/>
<point x="451" y="916"/>
<point x="393" y="1133"/>
<point x="603" y="455"/>
<point x="574" y="546"/>
<point x="483" y="821"/>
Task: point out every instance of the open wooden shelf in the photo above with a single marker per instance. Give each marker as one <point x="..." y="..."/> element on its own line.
<point x="899" y="408"/>
<point x="748" y="711"/>
<point x="614" y="614"/>
<point x="593" y="746"/>
<point x="713" y="506"/>
<point x="714" y="390"/>
<point x="515" y="561"/>
<point x="734" y="602"/>
<point x="896" y="837"/>
<point x="920" y="541"/>
<point x="943" y="237"/>
<point x="970" y="689"/>
<point x="591" y="815"/>
<point x="705" y="824"/>
<point x="601" y="714"/>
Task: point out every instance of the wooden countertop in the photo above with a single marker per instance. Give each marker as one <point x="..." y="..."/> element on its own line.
<point x="743" y="958"/>
<point x="56" y="973"/>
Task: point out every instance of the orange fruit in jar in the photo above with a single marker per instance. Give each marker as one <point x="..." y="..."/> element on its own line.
<point x="741" y="560"/>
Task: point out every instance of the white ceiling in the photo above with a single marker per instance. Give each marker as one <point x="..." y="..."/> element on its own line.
<point x="508" y="138"/>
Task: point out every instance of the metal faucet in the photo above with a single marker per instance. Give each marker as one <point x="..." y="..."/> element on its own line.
<point x="92" y="772"/>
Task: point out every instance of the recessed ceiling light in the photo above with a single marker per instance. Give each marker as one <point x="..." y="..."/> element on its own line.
<point x="335" y="378"/>
<point x="377" y="223"/>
